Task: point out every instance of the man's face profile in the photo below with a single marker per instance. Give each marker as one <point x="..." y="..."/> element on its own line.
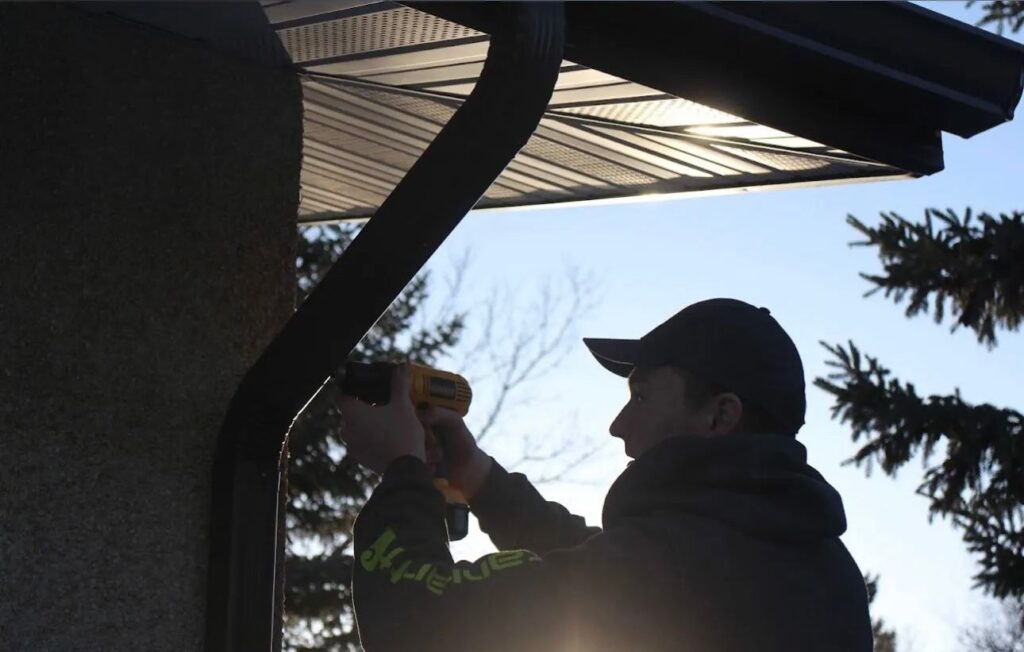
<point x="658" y="409"/>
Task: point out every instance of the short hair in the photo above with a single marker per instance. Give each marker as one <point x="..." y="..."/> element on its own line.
<point x="755" y="419"/>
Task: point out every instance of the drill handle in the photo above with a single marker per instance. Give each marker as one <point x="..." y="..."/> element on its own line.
<point x="456" y="506"/>
<point x="441" y="471"/>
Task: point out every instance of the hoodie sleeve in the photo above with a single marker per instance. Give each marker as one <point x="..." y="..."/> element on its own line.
<point x="516" y="516"/>
<point x="408" y="593"/>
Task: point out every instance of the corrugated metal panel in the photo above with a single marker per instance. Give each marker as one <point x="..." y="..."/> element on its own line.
<point x="384" y="79"/>
<point x="361" y="138"/>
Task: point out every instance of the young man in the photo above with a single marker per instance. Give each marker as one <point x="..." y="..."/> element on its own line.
<point x="718" y="537"/>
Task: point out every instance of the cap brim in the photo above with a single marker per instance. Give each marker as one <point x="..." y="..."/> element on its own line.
<point x="617" y="356"/>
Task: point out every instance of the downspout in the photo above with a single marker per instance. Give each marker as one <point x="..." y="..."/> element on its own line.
<point x="244" y="595"/>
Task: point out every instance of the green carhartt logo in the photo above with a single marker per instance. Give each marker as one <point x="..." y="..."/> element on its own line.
<point x="382" y="556"/>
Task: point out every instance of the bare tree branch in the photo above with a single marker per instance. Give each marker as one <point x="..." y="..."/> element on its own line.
<point x="541" y="456"/>
<point x="561" y="474"/>
<point x="536" y="345"/>
<point x="454" y="283"/>
<point x="1002" y="632"/>
<point x="516" y="346"/>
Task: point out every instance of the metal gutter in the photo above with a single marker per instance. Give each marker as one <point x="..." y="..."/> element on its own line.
<point x="244" y="594"/>
<point x="835" y="73"/>
<point x="868" y="41"/>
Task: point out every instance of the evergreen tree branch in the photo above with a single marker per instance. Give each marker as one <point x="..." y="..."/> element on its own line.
<point x="992" y="530"/>
<point x="884" y="639"/>
<point x="978" y="484"/>
<point x="978" y="269"/>
<point x="1004" y="13"/>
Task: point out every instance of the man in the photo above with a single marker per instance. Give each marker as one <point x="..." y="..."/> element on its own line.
<point x="718" y="537"/>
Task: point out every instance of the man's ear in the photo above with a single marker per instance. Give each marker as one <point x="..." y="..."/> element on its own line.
<point x="728" y="413"/>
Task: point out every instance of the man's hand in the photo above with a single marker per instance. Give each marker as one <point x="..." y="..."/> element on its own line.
<point x="377" y="435"/>
<point x="468" y="466"/>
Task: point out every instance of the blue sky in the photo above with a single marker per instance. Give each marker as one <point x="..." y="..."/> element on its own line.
<point x="787" y="250"/>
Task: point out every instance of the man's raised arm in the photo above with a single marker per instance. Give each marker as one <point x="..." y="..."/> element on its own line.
<point x="509" y="508"/>
<point x="409" y="594"/>
<point x="515" y="515"/>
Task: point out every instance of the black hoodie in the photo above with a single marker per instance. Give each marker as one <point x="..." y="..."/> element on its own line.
<point x="710" y="544"/>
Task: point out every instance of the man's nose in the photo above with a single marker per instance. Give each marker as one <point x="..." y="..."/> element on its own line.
<point x="617" y="428"/>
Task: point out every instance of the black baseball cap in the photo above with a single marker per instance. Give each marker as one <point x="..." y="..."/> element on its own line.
<point x="728" y="341"/>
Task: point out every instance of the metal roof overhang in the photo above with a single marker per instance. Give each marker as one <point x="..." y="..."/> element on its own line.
<point x="654" y="98"/>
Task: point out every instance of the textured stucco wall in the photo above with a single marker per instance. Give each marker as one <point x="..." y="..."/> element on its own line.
<point x="148" y="193"/>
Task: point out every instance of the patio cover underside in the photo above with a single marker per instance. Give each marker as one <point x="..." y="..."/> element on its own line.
<point x="380" y="81"/>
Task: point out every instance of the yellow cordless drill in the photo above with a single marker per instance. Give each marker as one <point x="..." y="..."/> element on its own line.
<point x="371" y="382"/>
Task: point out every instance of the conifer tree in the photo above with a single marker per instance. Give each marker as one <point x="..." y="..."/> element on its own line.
<point x="979" y="485"/>
<point x="885" y="639"/>
<point x="325" y="487"/>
